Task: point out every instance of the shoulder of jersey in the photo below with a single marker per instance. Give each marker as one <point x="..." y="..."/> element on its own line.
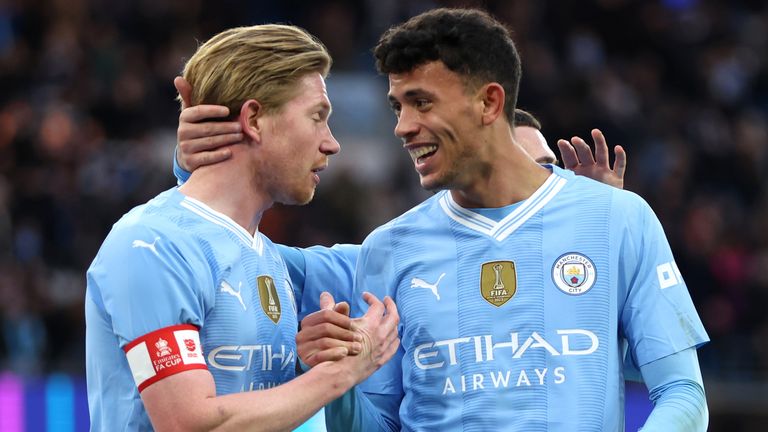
<point x="420" y="214"/>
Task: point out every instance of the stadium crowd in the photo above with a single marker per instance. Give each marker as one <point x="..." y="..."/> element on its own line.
<point x="88" y="122"/>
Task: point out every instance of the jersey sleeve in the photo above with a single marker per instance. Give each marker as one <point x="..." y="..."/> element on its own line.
<point x="658" y="317"/>
<point x="149" y="279"/>
<point x="357" y="411"/>
<point x="317" y="269"/>
<point x="180" y="173"/>
<point x="375" y="274"/>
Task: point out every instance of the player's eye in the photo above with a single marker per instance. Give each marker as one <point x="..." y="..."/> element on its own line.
<point x="396" y="108"/>
<point x="422" y="104"/>
<point x="319" y="117"/>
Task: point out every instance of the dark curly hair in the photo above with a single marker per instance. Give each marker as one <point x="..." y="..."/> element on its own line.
<point x="469" y="42"/>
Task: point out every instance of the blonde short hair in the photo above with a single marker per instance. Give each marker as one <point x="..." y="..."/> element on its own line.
<point x="261" y="62"/>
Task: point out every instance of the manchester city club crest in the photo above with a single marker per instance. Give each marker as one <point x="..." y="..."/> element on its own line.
<point x="574" y="273"/>
<point x="270" y="301"/>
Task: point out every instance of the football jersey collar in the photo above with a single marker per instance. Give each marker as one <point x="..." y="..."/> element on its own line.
<point x="218" y="218"/>
<point x="519" y="215"/>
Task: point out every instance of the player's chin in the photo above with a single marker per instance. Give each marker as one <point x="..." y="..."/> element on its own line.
<point x="432" y="183"/>
<point x="304" y="196"/>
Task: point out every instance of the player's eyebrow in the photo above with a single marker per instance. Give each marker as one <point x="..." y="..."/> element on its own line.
<point x="412" y="94"/>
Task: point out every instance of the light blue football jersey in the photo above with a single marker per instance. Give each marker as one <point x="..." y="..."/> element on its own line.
<point x="318" y="268"/>
<point x="176" y="261"/>
<point x="515" y="319"/>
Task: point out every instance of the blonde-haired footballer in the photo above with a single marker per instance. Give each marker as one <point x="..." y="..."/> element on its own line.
<point x="190" y="314"/>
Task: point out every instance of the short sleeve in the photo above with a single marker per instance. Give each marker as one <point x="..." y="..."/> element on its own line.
<point x="328" y="269"/>
<point x="148" y="279"/>
<point x="658" y="317"/>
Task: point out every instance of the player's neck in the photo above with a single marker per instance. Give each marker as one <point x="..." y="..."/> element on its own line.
<point x="227" y="188"/>
<point x="510" y="176"/>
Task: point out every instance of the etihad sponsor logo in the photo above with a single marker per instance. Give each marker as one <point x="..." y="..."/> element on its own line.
<point x="421" y="283"/>
<point x="669" y="275"/>
<point x="574" y="273"/>
<point x="503" y="379"/>
<point x="251" y="357"/>
<point x="270" y="301"/>
<point x="440" y="354"/>
<point x="498" y="282"/>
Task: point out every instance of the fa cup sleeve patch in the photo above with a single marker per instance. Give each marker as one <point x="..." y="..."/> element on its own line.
<point x="163" y="353"/>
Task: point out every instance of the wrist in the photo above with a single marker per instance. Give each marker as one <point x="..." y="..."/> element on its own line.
<point x="339" y="375"/>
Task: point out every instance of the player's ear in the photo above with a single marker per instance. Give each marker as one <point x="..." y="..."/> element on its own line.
<point x="492" y="96"/>
<point x="251" y="119"/>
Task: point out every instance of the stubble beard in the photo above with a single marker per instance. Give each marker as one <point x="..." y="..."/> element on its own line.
<point x="298" y="195"/>
<point x="449" y="178"/>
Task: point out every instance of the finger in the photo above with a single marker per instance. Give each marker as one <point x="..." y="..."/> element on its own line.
<point x="620" y="164"/>
<point x="202" y="112"/>
<point x="185" y="91"/>
<point x="567" y="154"/>
<point x="326" y="317"/>
<point x="583" y="151"/>
<point x="601" y="147"/>
<point x="375" y="307"/>
<point x="332" y="354"/>
<point x="209" y="135"/>
<point x="191" y="147"/>
<point x="326" y="301"/>
<point x="326" y="335"/>
<point x="196" y="160"/>
<point x="388" y="329"/>
<point x="308" y="343"/>
<point x="342" y="308"/>
<point x="391" y="350"/>
<point x="391" y="310"/>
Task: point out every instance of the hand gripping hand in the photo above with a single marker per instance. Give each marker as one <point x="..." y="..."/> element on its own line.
<point x="327" y="335"/>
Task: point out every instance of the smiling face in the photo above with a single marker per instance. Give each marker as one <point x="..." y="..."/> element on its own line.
<point x="439" y="123"/>
<point x="297" y="142"/>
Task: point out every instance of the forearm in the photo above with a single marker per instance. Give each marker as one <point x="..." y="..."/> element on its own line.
<point x="195" y="406"/>
<point x="287" y="406"/>
<point x="360" y="411"/>
<point x="677" y="391"/>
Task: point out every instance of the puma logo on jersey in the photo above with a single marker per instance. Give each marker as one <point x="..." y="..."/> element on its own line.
<point x="227" y="288"/>
<point x="421" y="283"/>
<point x="143" y="244"/>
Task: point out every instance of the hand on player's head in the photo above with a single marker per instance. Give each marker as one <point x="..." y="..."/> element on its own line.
<point x="203" y="140"/>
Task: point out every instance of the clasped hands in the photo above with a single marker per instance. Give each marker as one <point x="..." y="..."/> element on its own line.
<point x="364" y="343"/>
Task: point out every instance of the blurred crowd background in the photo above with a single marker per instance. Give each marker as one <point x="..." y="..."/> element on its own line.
<point x="88" y="122"/>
